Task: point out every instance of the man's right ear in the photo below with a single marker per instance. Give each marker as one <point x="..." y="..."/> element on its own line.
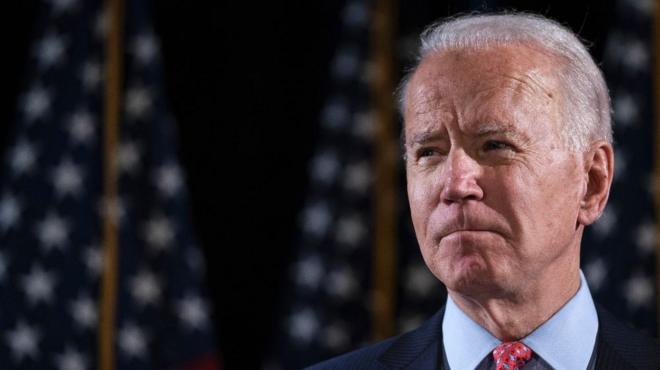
<point x="599" y="168"/>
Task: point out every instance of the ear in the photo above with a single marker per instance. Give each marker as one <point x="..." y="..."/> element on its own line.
<point x="599" y="172"/>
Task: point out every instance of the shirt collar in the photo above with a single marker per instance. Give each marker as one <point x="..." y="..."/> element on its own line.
<point x="565" y="341"/>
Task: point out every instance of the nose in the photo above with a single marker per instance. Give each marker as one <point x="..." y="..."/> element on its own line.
<point x="460" y="178"/>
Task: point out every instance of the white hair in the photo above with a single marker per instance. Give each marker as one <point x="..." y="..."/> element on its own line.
<point x="586" y="110"/>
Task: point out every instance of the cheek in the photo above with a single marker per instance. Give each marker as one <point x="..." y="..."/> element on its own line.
<point x="542" y="204"/>
<point x="421" y="197"/>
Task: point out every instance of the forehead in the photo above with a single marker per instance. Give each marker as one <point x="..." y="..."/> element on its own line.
<point x="501" y="81"/>
<point x="525" y="63"/>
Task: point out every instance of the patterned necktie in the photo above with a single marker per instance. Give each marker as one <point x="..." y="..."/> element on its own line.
<point x="511" y="356"/>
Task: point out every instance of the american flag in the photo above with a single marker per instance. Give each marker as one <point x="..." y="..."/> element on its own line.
<point x="619" y="250"/>
<point x="51" y="207"/>
<point x="327" y="309"/>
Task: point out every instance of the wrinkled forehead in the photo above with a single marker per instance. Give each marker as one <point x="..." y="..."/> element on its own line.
<point x="511" y="87"/>
<point x="509" y="77"/>
<point x="522" y="68"/>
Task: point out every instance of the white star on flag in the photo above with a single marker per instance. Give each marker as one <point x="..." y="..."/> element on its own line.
<point x="138" y="102"/>
<point x="145" y="288"/>
<point x="22" y="341"/>
<point x="91" y="75"/>
<point x="356" y="14"/>
<point x="67" y="178"/>
<point x="309" y="271"/>
<point x="639" y="291"/>
<point x="342" y="283"/>
<point x="132" y="341"/>
<point x="364" y="125"/>
<point x="36" y="103"/>
<point x="159" y="233"/>
<point x="71" y="359"/>
<point x="625" y="109"/>
<point x="50" y="50"/>
<point x="84" y="313"/>
<point x="10" y="212"/>
<point x="606" y="223"/>
<point x="168" y="179"/>
<point x="82" y="127"/>
<point x="22" y="157"/>
<point x="145" y="47"/>
<point x="53" y="232"/>
<point x="358" y="177"/>
<point x="645" y="237"/>
<point x="101" y="24"/>
<point x="595" y="272"/>
<point x="335" y="114"/>
<point x="128" y="157"/>
<point x="38" y="285"/>
<point x="303" y="325"/>
<point x="636" y="56"/>
<point x="351" y="230"/>
<point x="335" y="336"/>
<point x="93" y="259"/>
<point x="192" y="311"/>
<point x="316" y="219"/>
<point x="325" y="167"/>
<point x="419" y="280"/>
<point x="346" y="63"/>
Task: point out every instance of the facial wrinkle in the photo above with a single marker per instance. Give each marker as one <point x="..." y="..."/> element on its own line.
<point x="531" y="83"/>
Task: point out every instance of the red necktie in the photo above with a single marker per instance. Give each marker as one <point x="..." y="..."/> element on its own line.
<point x="511" y="356"/>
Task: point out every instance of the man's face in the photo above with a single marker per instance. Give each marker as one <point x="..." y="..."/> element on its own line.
<point x="494" y="193"/>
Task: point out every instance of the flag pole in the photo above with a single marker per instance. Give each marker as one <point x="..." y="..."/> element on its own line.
<point x="382" y="87"/>
<point x="656" y="172"/>
<point x="112" y="106"/>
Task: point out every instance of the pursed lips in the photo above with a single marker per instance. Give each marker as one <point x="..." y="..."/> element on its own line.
<point x="458" y="220"/>
<point x="449" y="231"/>
<point x="457" y="231"/>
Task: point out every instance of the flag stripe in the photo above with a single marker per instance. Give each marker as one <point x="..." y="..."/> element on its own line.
<point x="385" y="171"/>
<point x="110" y="185"/>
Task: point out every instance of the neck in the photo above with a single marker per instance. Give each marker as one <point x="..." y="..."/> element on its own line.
<point x="515" y="316"/>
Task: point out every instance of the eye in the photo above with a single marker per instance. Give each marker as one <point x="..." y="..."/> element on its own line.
<point x="496" y="145"/>
<point x="426" y="152"/>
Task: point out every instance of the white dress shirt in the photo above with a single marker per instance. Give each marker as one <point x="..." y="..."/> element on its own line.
<point x="566" y="341"/>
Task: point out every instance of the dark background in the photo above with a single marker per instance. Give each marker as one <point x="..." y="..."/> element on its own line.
<point x="246" y="81"/>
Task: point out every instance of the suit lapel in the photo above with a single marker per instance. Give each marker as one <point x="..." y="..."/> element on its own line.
<point x="607" y="356"/>
<point x="419" y="349"/>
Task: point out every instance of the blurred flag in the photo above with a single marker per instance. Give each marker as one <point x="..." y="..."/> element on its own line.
<point x="619" y="250"/>
<point x="51" y="208"/>
<point x="326" y="307"/>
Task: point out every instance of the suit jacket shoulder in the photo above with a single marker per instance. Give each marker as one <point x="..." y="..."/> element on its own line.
<point x="418" y="349"/>
<point x="621" y="347"/>
<point x="618" y="347"/>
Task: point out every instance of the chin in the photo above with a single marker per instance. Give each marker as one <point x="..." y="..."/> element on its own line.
<point x="471" y="277"/>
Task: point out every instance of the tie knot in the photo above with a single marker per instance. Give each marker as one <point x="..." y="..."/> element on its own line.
<point x="511" y="356"/>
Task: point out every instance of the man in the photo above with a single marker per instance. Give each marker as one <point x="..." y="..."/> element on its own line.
<point x="509" y="157"/>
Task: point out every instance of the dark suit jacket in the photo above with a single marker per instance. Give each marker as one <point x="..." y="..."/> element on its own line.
<point x="617" y="348"/>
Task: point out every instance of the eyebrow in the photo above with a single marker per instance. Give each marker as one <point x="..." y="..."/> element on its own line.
<point x="426" y="137"/>
<point x="491" y="129"/>
<point x="485" y="130"/>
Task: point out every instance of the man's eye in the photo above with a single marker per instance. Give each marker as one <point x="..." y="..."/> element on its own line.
<point x="426" y="152"/>
<point x="496" y="145"/>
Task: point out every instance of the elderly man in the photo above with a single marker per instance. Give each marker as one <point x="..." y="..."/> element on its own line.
<point x="508" y="147"/>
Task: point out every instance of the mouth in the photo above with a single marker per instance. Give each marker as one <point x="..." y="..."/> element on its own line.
<point x="467" y="234"/>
